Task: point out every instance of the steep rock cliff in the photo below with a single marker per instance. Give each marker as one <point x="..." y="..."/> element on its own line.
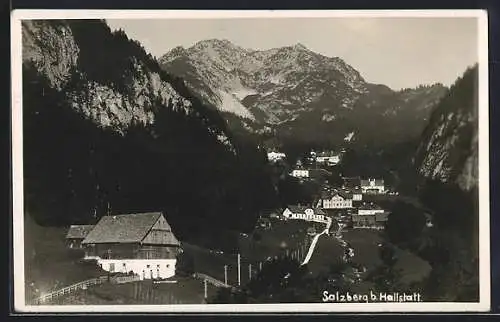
<point x="449" y="148"/>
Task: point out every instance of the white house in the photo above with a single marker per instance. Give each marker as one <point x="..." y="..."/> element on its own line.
<point x="329" y="158"/>
<point x="300" y="173"/>
<point x="357" y="194"/>
<point x="370" y="209"/>
<point x="140" y="243"/>
<point x="275" y="156"/>
<point x="370" y="216"/>
<point x="373" y="186"/>
<point x="336" y="200"/>
<point x="305" y="213"/>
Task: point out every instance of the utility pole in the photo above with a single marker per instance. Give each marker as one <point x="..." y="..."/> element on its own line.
<point x="205" y="282"/>
<point x="249" y="271"/>
<point x="260" y="266"/>
<point x="225" y="274"/>
<point x="239" y="269"/>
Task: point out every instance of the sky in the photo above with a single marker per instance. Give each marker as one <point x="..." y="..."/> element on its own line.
<point x="398" y="52"/>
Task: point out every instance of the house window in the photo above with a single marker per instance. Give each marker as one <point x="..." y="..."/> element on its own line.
<point x="147" y="266"/>
<point x="111" y="267"/>
<point x="168" y="265"/>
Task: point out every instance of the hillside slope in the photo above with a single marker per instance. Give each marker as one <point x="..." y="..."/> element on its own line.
<point x="447" y="159"/>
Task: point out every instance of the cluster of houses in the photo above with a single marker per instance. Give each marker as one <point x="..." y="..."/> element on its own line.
<point x="142" y="244"/>
<point x="328" y="158"/>
<point x="345" y="201"/>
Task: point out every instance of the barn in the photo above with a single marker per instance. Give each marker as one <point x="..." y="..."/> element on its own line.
<point x="76" y="234"/>
<point x="141" y="243"/>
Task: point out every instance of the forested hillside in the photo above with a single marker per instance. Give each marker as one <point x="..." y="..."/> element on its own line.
<point x="107" y="131"/>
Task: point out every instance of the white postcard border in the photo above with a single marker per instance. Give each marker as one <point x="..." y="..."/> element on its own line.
<point x="17" y="162"/>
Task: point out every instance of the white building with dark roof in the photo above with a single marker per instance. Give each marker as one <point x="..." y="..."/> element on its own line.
<point x="370" y="215"/>
<point x="140" y="243"/>
<point x="373" y="186"/>
<point x="336" y="199"/>
<point x="305" y="213"/>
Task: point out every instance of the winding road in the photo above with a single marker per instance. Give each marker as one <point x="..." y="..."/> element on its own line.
<point x="310" y="252"/>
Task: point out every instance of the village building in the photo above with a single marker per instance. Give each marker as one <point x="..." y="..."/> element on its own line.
<point x="335" y="200"/>
<point x="300" y="173"/>
<point x="140" y="243"/>
<point x="373" y="186"/>
<point x="264" y="223"/>
<point x="329" y="158"/>
<point x="275" y="156"/>
<point x="351" y="183"/>
<point x="76" y="234"/>
<point x="305" y="213"/>
<point x="370" y="216"/>
<point x="357" y="194"/>
<point x="319" y="174"/>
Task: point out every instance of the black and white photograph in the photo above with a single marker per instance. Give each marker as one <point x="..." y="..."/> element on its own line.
<point x="250" y="161"/>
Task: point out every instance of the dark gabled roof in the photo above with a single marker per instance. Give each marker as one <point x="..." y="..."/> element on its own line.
<point x="366" y="183"/>
<point x="352" y="182"/>
<point x="128" y="228"/>
<point x="301" y="209"/>
<point x="369" y="206"/>
<point x="381" y="216"/>
<point x="319" y="211"/>
<point x="297" y="209"/>
<point x="331" y="193"/>
<point x="327" y="154"/>
<point x="319" y="172"/>
<point x="79" y="231"/>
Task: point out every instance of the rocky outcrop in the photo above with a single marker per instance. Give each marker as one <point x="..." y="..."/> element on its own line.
<point x="449" y="148"/>
<point x="51" y="48"/>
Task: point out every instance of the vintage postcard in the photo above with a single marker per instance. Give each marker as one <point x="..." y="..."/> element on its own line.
<point x="250" y="161"/>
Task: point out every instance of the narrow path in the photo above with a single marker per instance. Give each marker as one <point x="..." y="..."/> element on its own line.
<point x="315" y="241"/>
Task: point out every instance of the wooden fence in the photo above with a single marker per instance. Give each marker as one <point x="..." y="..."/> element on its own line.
<point x="70" y="289"/>
<point x="211" y="280"/>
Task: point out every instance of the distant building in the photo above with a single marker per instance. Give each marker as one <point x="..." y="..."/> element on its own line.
<point x="305" y="213"/>
<point x="300" y="173"/>
<point x="336" y="200"/>
<point x="319" y="174"/>
<point x="370" y="216"/>
<point x="275" y="156"/>
<point x="328" y="158"/>
<point x="264" y="222"/>
<point x="76" y="234"/>
<point x="140" y="243"/>
<point x="357" y="194"/>
<point x="373" y="186"/>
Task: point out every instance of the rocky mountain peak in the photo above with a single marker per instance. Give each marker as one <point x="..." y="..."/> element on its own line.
<point x="289" y="84"/>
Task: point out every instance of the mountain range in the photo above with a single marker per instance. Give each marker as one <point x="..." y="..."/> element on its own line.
<point x="295" y="92"/>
